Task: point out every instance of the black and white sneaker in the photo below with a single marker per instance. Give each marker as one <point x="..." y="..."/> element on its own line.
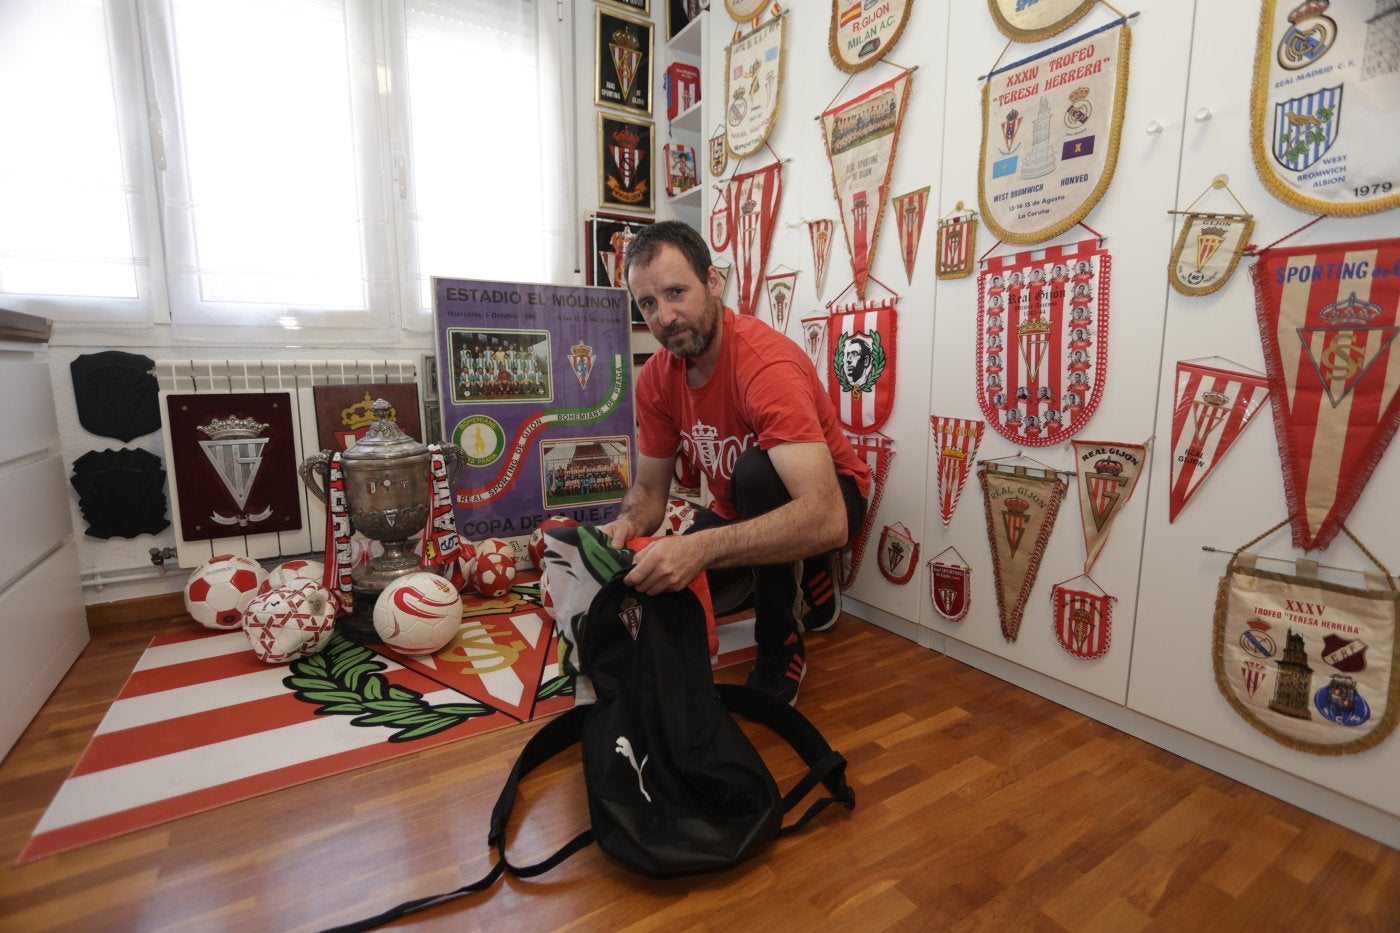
<point x="778" y="671"/>
<point x="821" y="592"/>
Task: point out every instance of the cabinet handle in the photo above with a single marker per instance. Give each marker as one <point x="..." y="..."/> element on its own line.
<point x="1202" y="114"/>
<point x="1154" y="128"/>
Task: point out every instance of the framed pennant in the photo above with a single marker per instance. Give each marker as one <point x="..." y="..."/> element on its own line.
<point x="753" y="84"/>
<point x="1083" y="617"/>
<point x="622" y="61"/>
<point x="1328" y="319"/>
<point x="820" y="233"/>
<point x="343" y="413"/>
<point x="1021" y="504"/>
<point x="1212" y="408"/>
<point x="1108" y="474"/>
<point x="814" y="340"/>
<point x="956" y="440"/>
<point x="899" y="554"/>
<point x="1020" y="21"/>
<point x="754" y="198"/>
<point x="1325" y="80"/>
<point x="877" y="451"/>
<point x="861" y="137"/>
<point x="780" y="286"/>
<point x="1207" y="251"/>
<point x="950" y="585"/>
<point x="1050" y="129"/>
<point x="909" y="220"/>
<point x="862" y="362"/>
<point x="624" y="163"/>
<point x="605" y="239"/>
<point x="957" y="244"/>
<point x="1042" y="341"/>
<point x="862" y="34"/>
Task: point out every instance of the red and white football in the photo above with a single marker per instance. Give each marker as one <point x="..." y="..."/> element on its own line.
<point x="287" y="572"/>
<point x="536" y="546"/>
<point x="289" y="622"/>
<point x="494" y="574"/>
<point x="418" y="613"/>
<point x="220" y="589"/>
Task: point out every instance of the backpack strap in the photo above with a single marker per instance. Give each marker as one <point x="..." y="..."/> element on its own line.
<point x="825" y="766"/>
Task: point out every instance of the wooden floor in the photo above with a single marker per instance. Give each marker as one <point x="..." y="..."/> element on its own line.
<point x="981" y="807"/>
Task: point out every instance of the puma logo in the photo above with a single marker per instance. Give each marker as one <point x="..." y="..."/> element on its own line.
<point x="624" y="748"/>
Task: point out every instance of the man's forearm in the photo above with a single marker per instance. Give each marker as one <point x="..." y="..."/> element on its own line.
<point x="642" y="508"/>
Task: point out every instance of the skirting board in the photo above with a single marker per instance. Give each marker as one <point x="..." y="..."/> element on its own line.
<point x="1344" y="811"/>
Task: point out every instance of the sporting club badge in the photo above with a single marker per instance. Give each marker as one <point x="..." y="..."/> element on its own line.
<point x="753" y="81"/>
<point x="950" y="584"/>
<point x="1325" y="80"/>
<point x="1082" y="616"/>
<point x="1328" y="319"/>
<point x="909" y="219"/>
<point x="754" y="198"/>
<point x="1050" y="130"/>
<point x="1207" y="251"/>
<point x="861" y="136"/>
<point x="1030" y="22"/>
<point x="1042" y="341"/>
<point x="863" y="33"/>
<point x="899" y="554"/>
<point x="1108" y="474"/>
<point x="1212" y="408"/>
<point x="877" y="452"/>
<point x="624" y="72"/>
<point x="780" y="288"/>
<point x="861" y="364"/>
<point x="581" y="360"/>
<point x="820" y="233"/>
<point x="814" y="340"/>
<point x="957" y="243"/>
<point x="625" y="170"/>
<point x="1021" y="504"/>
<point x="956" y="441"/>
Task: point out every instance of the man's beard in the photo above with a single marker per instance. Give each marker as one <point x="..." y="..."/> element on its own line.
<point x="698" y="337"/>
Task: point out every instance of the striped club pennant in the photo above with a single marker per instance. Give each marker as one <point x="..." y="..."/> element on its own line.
<point x="1082" y="616"/>
<point x="820" y="233"/>
<point x="780" y="287"/>
<point x="877" y="451"/>
<point x="957" y="244"/>
<point x="956" y="440"/>
<point x="909" y="217"/>
<point x="1213" y="407"/>
<point x="754" y="198"/>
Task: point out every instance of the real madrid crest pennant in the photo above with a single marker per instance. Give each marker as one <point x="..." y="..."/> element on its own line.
<point x="957" y="243"/>
<point x="754" y="198"/>
<point x="1328" y="319"/>
<point x="1021" y="504"/>
<point x="1050" y="128"/>
<point x="1082" y="616"/>
<point x="1308" y="662"/>
<point x="1322" y="112"/>
<point x="899" y="554"/>
<point x="863" y="33"/>
<point x="861" y="363"/>
<point x="877" y="452"/>
<point x="820" y="233"/>
<point x="861" y="136"/>
<point x="950" y="584"/>
<point x="1040" y="19"/>
<point x="1108" y="474"/>
<point x="753" y="83"/>
<point x="1042" y="341"/>
<point x="1213" y="406"/>
<point x="956" y="441"/>
<point x="780" y="287"/>
<point x="909" y="220"/>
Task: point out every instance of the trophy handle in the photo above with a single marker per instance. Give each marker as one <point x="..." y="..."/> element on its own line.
<point x="455" y="458"/>
<point x="315" y="472"/>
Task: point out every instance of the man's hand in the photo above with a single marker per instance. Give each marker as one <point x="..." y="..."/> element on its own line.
<point x="668" y="564"/>
<point x="620" y="530"/>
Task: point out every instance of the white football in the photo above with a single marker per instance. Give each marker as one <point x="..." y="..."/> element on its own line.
<point x="418" y="613"/>
<point x="220" y="589"/>
<point x="494" y="574"/>
<point x="287" y="572"/>
<point x="536" y="546"/>
<point x="495" y="546"/>
<point x="289" y="622"/>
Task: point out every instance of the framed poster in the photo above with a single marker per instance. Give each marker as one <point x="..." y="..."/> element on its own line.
<point x="680" y="14"/>
<point x="641" y="6"/>
<point x="624" y="163"/>
<point x="605" y="238"/>
<point x="343" y="413"/>
<point x="622" y="62"/>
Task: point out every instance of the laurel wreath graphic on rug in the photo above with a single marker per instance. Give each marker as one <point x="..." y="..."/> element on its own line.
<point x="877" y="364"/>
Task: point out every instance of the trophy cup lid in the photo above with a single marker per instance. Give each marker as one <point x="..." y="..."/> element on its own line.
<point x="384" y="440"/>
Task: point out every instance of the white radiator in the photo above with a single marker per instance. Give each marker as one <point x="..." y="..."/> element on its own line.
<point x="298" y="377"/>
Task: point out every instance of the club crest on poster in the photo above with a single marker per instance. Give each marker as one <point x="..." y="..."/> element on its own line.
<point x="1050" y="129"/>
<point x="753" y="84"/>
<point x="862" y="33"/>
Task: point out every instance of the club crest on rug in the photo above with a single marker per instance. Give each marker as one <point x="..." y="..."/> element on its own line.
<point x="861" y="364"/>
<point x="753" y="82"/>
<point x="956" y="440"/>
<point x="950" y="584"/>
<point x="899" y="553"/>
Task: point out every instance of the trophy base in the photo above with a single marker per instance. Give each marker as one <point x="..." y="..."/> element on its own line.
<point x="358" y="626"/>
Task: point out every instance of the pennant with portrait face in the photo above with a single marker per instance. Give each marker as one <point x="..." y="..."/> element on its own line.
<point x="1213" y="407"/>
<point x="1328" y="319"/>
<point x="1325" y="81"/>
<point x="899" y="554"/>
<point x="753" y="82"/>
<point x="1108" y="474"/>
<point x="820" y="233"/>
<point x="861" y="137"/>
<point x="877" y="451"/>
<point x="780" y="288"/>
<point x="909" y="220"/>
<point x="1082" y="616"/>
<point x="814" y="340"/>
<point x="956" y="440"/>
<point x="1042" y="341"/>
<point x="861" y="363"/>
<point x="1021" y="504"/>
<point x="754" y="199"/>
<point x="1030" y="22"/>
<point x="950" y="585"/>
<point x="957" y="244"/>
<point x="1207" y="251"/>
<point x="863" y="33"/>
<point x="1050" y="130"/>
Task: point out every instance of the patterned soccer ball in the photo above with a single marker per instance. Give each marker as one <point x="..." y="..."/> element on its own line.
<point x="286" y="573"/>
<point x="546" y="595"/>
<point x="536" y="546"/>
<point x="494" y="574"/>
<point x="220" y="589"/>
<point x="680" y="515"/>
<point x="290" y="621"/>
<point x="495" y="546"/>
<point x="418" y="613"/>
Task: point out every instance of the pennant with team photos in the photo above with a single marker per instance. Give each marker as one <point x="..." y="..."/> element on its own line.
<point x="780" y="287"/>
<point x="754" y="198"/>
<point x="899" y="554"/>
<point x="950" y="585"/>
<point x="1042" y="341"/>
<point x="861" y="363"/>
<point x="1050" y="130"/>
<point x="1212" y="408"/>
<point x="877" y="451"/>
<point x="861" y="137"/>
<point x="814" y="340"/>
<point x="1021" y="504"/>
<point x="1328" y="319"/>
<point x="1082" y="616"/>
<point x="863" y="33"/>
<point x="1207" y="251"/>
<point x="1040" y="19"/>
<point x="909" y="220"/>
<point x="957" y="244"/>
<point x="956" y="440"/>
<point x="1108" y="474"/>
<point x="753" y="83"/>
<point x="820" y="233"/>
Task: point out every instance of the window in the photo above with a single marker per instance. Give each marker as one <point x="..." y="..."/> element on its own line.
<point x="303" y="163"/>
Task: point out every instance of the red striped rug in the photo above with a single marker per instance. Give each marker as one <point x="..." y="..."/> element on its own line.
<point x="202" y="722"/>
